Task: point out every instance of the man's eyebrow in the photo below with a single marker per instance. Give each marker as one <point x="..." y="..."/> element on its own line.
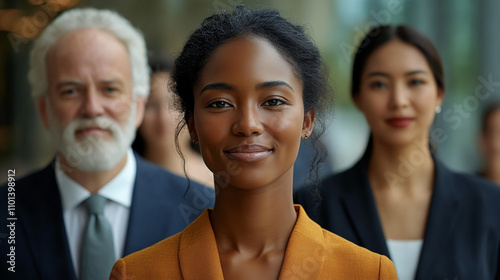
<point x="271" y="84"/>
<point x="69" y="83"/>
<point x="111" y="81"/>
<point x="218" y="86"/>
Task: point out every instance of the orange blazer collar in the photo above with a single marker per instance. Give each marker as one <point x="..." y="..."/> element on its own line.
<point x="198" y="253"/>
<point x="304" y="256"/>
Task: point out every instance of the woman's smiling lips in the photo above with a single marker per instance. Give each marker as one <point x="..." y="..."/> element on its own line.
<point x="399" y="122"/>
<point x="249" y="153"/>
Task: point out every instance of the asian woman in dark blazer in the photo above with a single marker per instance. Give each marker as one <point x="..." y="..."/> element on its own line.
<point x="399" y="199"/>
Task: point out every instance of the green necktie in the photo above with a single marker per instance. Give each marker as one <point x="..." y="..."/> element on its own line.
<point x="97" y="255"/>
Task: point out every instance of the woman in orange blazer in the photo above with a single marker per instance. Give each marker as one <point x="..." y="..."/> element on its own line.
<point x="252" y="85"/>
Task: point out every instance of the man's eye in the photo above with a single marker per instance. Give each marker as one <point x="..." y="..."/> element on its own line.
<point x="69" y="91"/>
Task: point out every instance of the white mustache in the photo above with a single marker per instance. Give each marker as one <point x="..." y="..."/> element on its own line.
<point x="101" y="122"/>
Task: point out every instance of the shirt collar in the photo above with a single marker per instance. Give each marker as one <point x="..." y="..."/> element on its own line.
<point x="119" y="189"/>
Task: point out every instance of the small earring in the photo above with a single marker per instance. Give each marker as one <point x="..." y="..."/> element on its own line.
<point x="438" y="109"/>
<point x="306" y="136"/>
<point x="195" y="140"/>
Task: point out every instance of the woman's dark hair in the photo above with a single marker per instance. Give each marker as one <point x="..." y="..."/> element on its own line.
<point x="380" y="35"/>
<point x="290" y="41"/>
<point x="158" y="64"/>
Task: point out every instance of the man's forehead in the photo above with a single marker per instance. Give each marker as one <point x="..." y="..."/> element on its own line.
<point x="88" y="52"/>
<point x="87" y="40"/>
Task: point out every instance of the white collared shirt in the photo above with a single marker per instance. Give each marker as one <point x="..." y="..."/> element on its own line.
<point x="117" y="210"/>
<point x="405" y="255"/>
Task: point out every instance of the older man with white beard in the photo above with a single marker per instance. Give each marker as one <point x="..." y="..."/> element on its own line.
<point x="97" y="201"/>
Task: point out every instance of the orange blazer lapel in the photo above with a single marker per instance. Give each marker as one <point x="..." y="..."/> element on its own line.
<point x="305" y="252"/>
<point x="314" y="253"/>
<point x="198" y="254"/>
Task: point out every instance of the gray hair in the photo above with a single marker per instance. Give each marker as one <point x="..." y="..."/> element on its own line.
<point x="104" y="20"/>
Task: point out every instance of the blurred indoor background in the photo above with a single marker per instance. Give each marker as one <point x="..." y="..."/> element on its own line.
<point x="465" y="33"/>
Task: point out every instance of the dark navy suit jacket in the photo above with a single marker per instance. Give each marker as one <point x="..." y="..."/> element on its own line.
<point x="462" y="236"/>
<point x="159" y="209"/>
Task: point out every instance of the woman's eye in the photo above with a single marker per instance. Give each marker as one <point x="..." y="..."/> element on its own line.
<point x="273" y="102"/>
<point x="218" y="104"/>
<point x="111" y="89"/>
<point x="377" y="84"/>
<point x="416" y="82"/>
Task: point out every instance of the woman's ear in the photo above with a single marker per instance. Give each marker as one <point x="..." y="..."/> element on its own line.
<point x="308" y="124"/>
<point x="357" y="101"/>
<point x="440" y="96"/>
<point x="192" y="129"/>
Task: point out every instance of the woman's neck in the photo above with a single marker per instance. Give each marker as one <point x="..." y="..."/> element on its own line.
<point x="254" y="222"/>
<point x="409" y="167"/>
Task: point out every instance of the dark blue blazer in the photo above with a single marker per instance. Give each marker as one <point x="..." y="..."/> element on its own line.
<point x="159" y="209"/>
<point x="462" y="236"/>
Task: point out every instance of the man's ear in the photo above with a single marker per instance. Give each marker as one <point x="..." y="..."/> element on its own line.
<point x="139" y="116"/>
<point x="308" y="124"/>
<point x="42" y="109"/>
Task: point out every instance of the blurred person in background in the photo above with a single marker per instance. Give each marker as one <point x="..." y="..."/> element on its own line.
<point x="96" y="201"/>
<point x="253" y="86"/>
<point x="489" y="143"/>
<point x="155" y="139"/>
<point x="399" y="200"/>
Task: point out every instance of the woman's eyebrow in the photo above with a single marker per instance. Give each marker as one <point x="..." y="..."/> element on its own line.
<point x="226" y="86"/>
<point x="409" y="73"/>
<point x="271" y="84"/>
<point x="217" y="86"/>
<point x="378" y="74"/>
<point x="416" y="72"/>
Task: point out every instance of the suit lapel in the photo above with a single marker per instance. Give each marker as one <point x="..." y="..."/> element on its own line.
<point x="198" y="253"/>
<point x="140" y="220"/>
<point x="155" y="205"/>
<point x="43" y="224"/>
<point x="359" y="204"/>
<point x="443" y="215"/>
<point x="299" y="263"/>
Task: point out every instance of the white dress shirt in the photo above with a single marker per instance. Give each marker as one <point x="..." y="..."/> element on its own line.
<point x="119" y="194"/>
<point x="405" y="255"/>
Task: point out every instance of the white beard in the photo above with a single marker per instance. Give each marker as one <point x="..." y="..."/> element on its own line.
<point x="94" y="152"/>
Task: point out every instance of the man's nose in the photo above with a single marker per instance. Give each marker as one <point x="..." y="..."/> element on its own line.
<point x="93" y="104"/>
